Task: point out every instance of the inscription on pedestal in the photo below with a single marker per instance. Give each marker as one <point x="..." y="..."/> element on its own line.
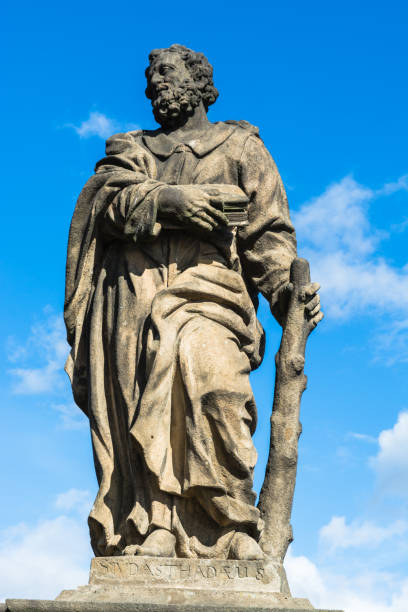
<point x="191" y="572"/>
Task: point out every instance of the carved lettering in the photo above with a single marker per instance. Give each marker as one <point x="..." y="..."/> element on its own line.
<point x="228" y="571"/>
<point x="147" y="566"/>
<point x="159" y="571"/>
<point x="133" y="569"/>
<point x="116" y="568"/>
<point x="171" y="567"/>
<point x="201" y="570"/>
<point x="242" y="571"/>
<point x="185" y="572"/>
<point x="188" y="571"/>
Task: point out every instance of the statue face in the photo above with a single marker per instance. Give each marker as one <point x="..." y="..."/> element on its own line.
<point x="174" y="93"/>
<point x="168" y="70"/>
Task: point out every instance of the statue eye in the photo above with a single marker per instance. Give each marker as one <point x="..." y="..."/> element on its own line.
<point x="164" y="69"/>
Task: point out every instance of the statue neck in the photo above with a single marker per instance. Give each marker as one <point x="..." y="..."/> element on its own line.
<point x="196" y="122"/>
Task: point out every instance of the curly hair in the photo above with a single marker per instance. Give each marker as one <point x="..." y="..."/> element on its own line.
<point x="197" y="64"/>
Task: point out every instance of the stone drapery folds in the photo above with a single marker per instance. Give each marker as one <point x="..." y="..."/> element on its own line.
<point x="163" y="328"/>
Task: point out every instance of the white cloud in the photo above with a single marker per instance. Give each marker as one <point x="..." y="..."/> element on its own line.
<point x="336" y="235"/>
<point x="36" y="380"/>
<point x="389" y="188"/>
<point x="71" y="416"/>
<point x="76" y="500"/>
<point x="100" y="125"/>
<point x="361" y="565"/>
<point x="46" y="343"/>
<point x="391" y="462"/>
<point x="337" y="534"/>
<point x="40" y="369"/>
<point x="305" y="579"/>
<point x="353" y="285"/>
<point x="361" y="591"/>
<point x="40" y="561"/>
<point x="363" y="437"/>
<point x="337" y="220"/>
<point x="393" y="340"/>
<point x="97" y="124"/>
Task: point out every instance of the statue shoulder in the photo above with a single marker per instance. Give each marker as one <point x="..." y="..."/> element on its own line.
<point x="118" y="143"/>
<point x="248" y="138"/>
<point x="247" y="127"/>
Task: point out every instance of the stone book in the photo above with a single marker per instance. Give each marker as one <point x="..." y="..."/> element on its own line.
<point x="230" y="199"/>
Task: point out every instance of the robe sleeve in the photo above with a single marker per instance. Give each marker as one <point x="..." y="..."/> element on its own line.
<point x="267" y="245"/>
<point x="124" y="184"/>
<point x="132" y="213"/>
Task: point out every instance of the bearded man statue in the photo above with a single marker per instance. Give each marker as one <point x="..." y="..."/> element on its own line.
<point x="171" y="241"/>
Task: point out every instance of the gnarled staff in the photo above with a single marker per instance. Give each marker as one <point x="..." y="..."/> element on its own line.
<point x="276" y="497"/>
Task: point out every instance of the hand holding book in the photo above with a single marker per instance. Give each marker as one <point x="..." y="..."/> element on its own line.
<point x="205" y="206"/>
<point x="231" y="199"/>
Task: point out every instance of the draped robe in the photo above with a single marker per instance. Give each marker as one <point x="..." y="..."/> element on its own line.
<point x="163" y="329"/>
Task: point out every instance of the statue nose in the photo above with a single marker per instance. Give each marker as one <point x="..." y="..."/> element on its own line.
<point x="155" y="79"/>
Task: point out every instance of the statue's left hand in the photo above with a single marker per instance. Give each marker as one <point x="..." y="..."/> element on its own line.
<point x="311" y="300"/>
<point x="309" y="297"/>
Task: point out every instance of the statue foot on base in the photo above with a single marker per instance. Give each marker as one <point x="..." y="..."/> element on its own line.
<point x="160" y="543"/>
<point x="243" y="547"/>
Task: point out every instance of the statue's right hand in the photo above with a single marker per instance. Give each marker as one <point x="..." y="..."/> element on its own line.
<point x="191" y="207"/>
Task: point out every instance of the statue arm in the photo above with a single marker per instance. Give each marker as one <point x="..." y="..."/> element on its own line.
<point x="132" y="190"/>
<point x="132" y="213"/>
<point x="267" y="244"/>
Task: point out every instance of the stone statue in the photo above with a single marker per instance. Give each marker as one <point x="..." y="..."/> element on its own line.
<point x="171" y="242"/>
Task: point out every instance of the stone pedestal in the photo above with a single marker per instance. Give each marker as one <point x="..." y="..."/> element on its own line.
<point x="26" y="605"/>
<point x="148" y="584"/>
<point x="186" y="581"/>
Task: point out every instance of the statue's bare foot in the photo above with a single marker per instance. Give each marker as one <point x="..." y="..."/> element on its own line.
<point x="160" y="543"/>
<point x="245" y="548"/>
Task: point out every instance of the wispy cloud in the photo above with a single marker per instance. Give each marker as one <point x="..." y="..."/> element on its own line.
<point x="398" y="185"/>
<point x="39" y="561"/>
<point x="337" y="219"/>
<point x="39" y="368"/>
<point x="46" y="344"/>
<point x="360" y="564"/>
<point x="336" y="235"/>
<point x="392" y="340"/>
<point x="101" y="126"/>
<point x="97" y="124"/>
<point x="361" y="590"/>
<point x="363" y="437"/>
<point x="74" y="500"/>
<point x="338" y="534"/>
<point x="71" y="416"/>
<point x="391" y="462"/>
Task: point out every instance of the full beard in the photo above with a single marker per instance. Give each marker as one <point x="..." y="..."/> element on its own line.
<point x="173" y="105"/>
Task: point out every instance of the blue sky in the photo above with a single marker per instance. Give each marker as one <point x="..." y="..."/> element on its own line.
<point x="326" y="83"/>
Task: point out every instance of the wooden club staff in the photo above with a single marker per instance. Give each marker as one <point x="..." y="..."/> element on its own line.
<point x="276" y="497"/>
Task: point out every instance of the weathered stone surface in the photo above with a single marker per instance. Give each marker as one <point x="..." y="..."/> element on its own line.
<point x="26" y="605"/>
<point x="171" y="240"/>
<point x="165" y="596"/>
<point x="210" y="582"/>
<point x="267" y="575"/>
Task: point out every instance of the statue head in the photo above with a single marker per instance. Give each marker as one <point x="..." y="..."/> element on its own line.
<point x="178" y="80"/>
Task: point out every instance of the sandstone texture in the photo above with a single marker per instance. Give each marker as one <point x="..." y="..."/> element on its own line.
<point x="26" y="605"/>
